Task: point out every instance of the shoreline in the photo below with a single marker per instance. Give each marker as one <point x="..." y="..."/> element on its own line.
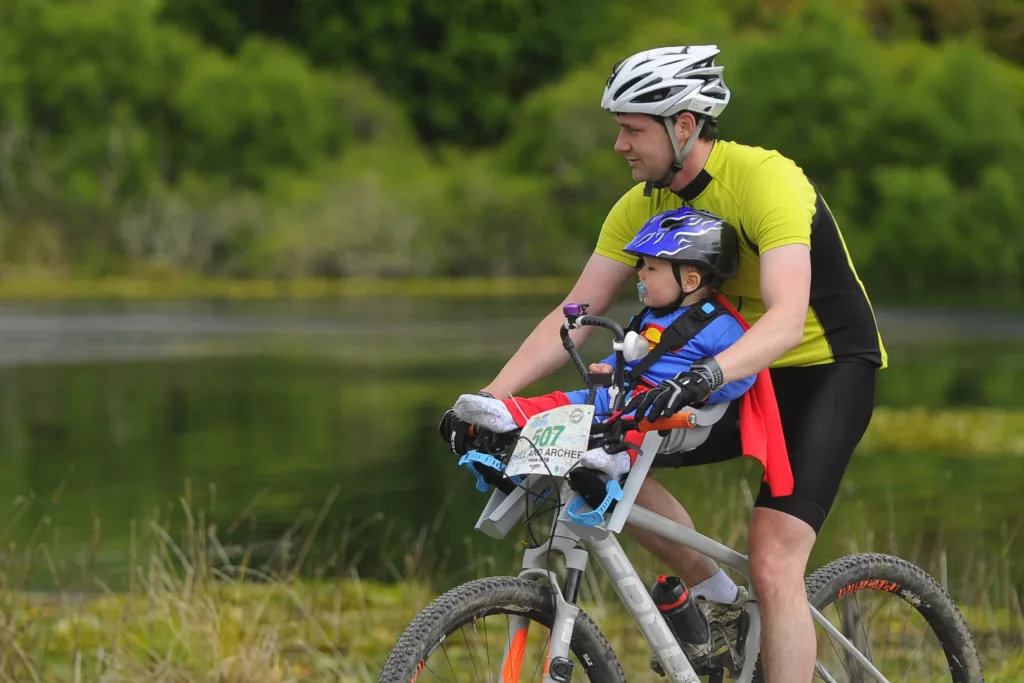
<point x="37" y="288"/>
<point x="184" y="286"/>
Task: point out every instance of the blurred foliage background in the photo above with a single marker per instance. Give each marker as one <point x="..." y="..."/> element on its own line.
<point x="233" y="138"/>
<point x="293" y="151"/>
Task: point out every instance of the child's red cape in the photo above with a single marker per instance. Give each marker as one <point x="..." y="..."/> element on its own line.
<point x="761" y="427"/>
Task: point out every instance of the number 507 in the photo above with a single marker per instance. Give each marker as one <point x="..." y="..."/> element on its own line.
<point x="546" y="436"/>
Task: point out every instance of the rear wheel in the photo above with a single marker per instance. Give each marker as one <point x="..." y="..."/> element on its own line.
<point x="900" y="618"/>
<point x="463" y="634"/>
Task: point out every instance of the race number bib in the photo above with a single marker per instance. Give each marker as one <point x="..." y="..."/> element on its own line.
<point x="552" y="442"/>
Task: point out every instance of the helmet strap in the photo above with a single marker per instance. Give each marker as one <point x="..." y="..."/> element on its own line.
<point x="681" y="153"/>
<point x="668" y="308"/>
<point x="682" y="292"/>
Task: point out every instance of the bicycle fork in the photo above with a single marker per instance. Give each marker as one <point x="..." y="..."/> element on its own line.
<point x="557" y="666"/>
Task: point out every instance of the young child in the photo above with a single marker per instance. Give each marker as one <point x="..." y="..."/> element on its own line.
<point x="686" y="255"/>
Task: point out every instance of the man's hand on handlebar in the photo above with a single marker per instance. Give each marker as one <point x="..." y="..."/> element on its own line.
<point x="671" y="396"/>
<point x="462" y="436"/>
<point x="458" y="434"/>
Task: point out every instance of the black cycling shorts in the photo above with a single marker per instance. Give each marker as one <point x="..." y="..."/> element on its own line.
<point x="825" y="410"/>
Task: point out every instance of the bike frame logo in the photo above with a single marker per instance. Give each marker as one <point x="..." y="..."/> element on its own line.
<point x="647" y="616"/>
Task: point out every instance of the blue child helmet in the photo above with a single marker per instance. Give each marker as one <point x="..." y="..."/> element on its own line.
<point x="692" y="237"/>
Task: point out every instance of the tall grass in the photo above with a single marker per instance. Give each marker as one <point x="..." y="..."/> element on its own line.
<point x="193" y="611"/>
<point x="190" y="613"/>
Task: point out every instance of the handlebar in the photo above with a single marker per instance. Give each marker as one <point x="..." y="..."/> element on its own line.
<point x="575" y="318"/>
<point x="686" y="419"/>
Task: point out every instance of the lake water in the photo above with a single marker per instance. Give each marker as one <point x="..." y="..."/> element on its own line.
<point x="270" y="415"/>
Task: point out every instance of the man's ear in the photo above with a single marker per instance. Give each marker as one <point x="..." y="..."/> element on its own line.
<point x="686" y="123"/>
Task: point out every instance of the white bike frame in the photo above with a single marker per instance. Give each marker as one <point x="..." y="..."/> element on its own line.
<point x="502" y="512"/>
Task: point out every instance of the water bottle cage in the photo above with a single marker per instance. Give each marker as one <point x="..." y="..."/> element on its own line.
<point x="613" y="492"/>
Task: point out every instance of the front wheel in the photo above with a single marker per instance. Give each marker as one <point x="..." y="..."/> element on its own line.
<point x="900" y="618"/>
<point x="463" y="635"/>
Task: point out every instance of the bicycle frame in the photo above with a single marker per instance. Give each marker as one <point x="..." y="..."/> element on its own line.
<point x="601" y="542"/>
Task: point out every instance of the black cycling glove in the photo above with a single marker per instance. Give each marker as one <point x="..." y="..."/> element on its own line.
<point x="690" y="388"/>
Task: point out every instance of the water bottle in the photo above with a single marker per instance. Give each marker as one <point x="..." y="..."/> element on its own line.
<point x="680" y="610"/>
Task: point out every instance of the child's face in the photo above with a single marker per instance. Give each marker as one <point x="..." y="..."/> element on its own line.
<point x="660" y="281"/>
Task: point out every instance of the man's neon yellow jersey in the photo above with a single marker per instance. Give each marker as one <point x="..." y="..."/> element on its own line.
<point x="771" y="203"/>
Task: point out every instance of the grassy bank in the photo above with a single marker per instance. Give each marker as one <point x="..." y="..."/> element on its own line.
<point x="189" y="614"/>
<point x="45" y="286"/>
<point x="40" y="288"/>
<point x="211" y="629"/>
<point x="958" y="431"/>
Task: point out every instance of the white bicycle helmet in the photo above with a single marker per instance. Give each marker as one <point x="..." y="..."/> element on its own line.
<point x="666" y="81"/>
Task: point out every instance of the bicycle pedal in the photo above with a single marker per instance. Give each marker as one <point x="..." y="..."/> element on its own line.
<point x="725" y="654"/>
<point x="728" y="644"/>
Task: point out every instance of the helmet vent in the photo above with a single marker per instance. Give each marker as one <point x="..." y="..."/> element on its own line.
<point x="630" y="83"/>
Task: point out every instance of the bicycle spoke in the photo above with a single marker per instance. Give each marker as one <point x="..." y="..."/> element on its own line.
<point x="888" y="630"/>
<point x="487" y="651"/>
<point x="867" y="638"/>
<point x="924" y="636"/>
<point x="916" y="650"/>
<point x="823" y="674"/>
<point x="469" y="648"/>
<point x="903" y="628"/>
<point x="536" y="668"/>
<point x="844" y="606"/>
<point x="508" y="640"/>
<point x="445" y="651"/>
<point x="432" y="672"/>
<point x="843" y="660"/>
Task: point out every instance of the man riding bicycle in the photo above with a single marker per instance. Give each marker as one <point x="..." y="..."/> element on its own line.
<point x="812" y="324"/>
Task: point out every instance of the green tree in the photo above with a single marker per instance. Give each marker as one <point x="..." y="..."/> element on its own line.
<point x="459" y="68"/>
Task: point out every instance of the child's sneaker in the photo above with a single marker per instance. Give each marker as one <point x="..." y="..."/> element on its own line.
<point x="613" y="464"/>
<point x="486" y="412"/>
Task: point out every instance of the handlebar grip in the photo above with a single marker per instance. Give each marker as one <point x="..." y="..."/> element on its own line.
<point x="684" y="420"/>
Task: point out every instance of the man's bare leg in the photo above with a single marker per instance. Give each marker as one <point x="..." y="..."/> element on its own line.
<point x="688" y="564"/>
<point x="779" y="547"/>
